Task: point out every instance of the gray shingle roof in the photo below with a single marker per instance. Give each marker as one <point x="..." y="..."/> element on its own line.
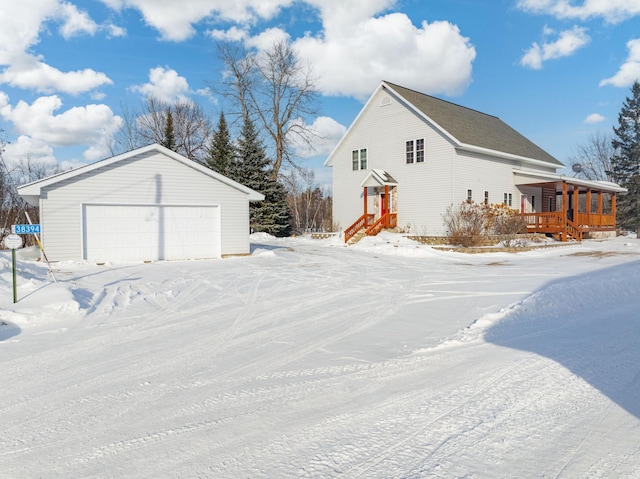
<point x="472" y="127"/>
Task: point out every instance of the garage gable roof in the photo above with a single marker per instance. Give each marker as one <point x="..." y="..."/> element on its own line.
<point x="34" y="188"/>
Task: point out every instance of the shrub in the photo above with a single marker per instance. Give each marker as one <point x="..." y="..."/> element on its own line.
<point x="507" y="223"/>
<point x="467" y="223"/>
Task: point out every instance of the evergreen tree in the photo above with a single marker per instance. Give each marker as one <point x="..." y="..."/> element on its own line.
<point x="221" y="150"/>
<point x="252" y="168"/>
<point x="625" y="163"/>
<point x="169" y="140"/>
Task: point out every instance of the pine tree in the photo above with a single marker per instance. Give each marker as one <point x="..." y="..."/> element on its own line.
<point x="625" y="163"/>
<point x="252" y="168"/>
<point x="169" y="133"/>
<point x="221" y="150"/>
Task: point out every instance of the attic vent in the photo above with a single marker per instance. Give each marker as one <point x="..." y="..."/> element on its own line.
<point x="385" y="101"/>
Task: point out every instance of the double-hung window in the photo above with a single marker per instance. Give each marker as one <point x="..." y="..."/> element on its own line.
<point x="414" y="151"/>
<point x="359" y="159"/>
<point x="420" y="150"/>
<point x="363" y="159"/>
<point x="409" y="151"/>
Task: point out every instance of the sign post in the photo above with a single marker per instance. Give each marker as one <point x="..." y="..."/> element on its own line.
<point x="13" y="242"/>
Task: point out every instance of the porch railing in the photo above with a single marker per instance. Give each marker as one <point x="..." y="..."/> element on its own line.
<point x="554" y="223"/>
<point x="551" y="222"/>
<point x="362" y="222"/>
<point x="388" y="220"/>
<point x="594" y="220"/>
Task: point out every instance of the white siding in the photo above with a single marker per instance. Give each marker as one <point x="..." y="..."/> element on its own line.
<point x="425" y="190"/>
<point x="150" y="178"/>
<point x="423" y="187"/>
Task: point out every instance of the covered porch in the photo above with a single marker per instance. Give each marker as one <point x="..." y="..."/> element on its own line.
<point x="379" y="193"/>
<point x="570" y="208"/>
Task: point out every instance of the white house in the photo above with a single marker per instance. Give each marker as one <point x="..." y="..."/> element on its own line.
<point x="147" y="204"/>
<point x="408" y="156"/>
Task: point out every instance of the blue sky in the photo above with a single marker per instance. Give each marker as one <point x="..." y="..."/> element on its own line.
<point x="555" y="70"/>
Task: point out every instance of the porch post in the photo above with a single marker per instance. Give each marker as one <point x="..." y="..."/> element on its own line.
<point x="364" y="195"/>
<point x="613" y="208"/>
<point x="576" y="204"/>
<point x="565" y="205"/>
<point x="589" y="204"/>
<point x="386" y="206"/>
<point x="600" y="208"/>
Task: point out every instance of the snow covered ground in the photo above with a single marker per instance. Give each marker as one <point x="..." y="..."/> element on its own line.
<point x="309" y="359"/>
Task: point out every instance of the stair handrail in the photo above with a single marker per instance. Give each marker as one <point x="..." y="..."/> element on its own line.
<point x="574" y="230"/>
<point x="376" y="227"/>
<point x="351" y="231"/>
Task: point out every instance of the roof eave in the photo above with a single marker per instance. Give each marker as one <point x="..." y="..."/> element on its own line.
<point x="34" y="188"/>
<point x="550" y="177"/>
<point x="508" y="156"/>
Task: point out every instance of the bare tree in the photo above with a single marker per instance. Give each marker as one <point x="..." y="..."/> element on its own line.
<point x="127" y="138"/>
<point x="278" y="89"/>
<point x="191" y="127"/>
<point x="592" y="159"/>
<point x="12" y="206"/>
<point x="310" y="207"/>
<point x="238" y="78"/>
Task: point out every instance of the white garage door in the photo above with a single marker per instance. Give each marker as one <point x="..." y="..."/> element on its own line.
<point x="150" y="232"/>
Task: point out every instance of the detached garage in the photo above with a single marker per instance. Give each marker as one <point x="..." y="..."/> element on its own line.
<point x="144" y="205"/>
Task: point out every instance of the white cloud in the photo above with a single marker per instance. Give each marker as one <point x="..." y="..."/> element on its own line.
<point x="594" y="118"/>
<point x="434" y="58"/>
<point x="354" y="51"/>
<point x="28" y="72"/>
<point x="567" y="43"/>
<point x="91" y="125"/>
<point x="612" y="11"/>
<point x="630" y="69"/>
<point x="20" y="33"/>
<point x="165" y="84"/>
<point x="175" y="20"/>
<point x="75" y="22"/>
<point x="114" y="31"/>
<point x="26" y="148"/>
<point x="233" y="34"/>
<point x="327" y="133"/>
<point x="267" y="39"/>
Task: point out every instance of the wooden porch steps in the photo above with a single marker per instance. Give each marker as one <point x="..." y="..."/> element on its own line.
<point x="357" y="237"/>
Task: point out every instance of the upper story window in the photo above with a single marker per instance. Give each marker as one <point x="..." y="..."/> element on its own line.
<point x="415" y="151"/>
<point x="359" y="159"/>
<point x="409" y="151"/>
<point x="420" y="150"/>
<point x="363" y="159"/>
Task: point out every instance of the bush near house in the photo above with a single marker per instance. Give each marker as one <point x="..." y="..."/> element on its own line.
<point x="469" y="223"/>
<point x="507" y="223"/>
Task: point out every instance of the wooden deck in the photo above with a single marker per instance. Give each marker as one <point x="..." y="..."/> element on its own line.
<point x="560" y="226"/>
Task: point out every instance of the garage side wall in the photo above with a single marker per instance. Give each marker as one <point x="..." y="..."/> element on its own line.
<point x="146" y="179"/>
